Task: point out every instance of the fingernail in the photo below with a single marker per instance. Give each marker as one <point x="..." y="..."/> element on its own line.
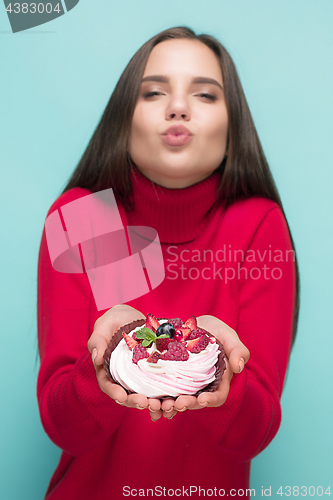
<point x="183" y="409"/>
<point x="153" y="419"/>
<point x="241" y="364"/>
<point x="140" y="407"/>
<point x="94" y="354"/>
<point x="203" y="404"/>
<point x="119" y="403"/>
<point x="170" y="418"/>
<point x="168" y="411"/>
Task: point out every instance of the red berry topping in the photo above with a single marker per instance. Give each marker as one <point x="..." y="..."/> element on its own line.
<point x="191" y="322"/>
<point x="152" y="322"/>
<point x="179" y="337"/>
<point x="185" y="332"/>
<point x="139" y="352"/>
<point x="137" y="340"/>
<point x="154" y="357"/>
<point x="162" y="344"/>
<point x="129" y="341"/>
<point x="198" y="332"/>
<point x="176" y="322"/>
<point x="198" y="344"/>
<point x="176" y="352"/>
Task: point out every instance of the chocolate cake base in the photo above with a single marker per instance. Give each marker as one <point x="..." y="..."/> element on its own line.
<point x="220" y="364"/>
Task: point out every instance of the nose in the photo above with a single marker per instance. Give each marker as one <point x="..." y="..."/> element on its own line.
<point x="178" y="108"/>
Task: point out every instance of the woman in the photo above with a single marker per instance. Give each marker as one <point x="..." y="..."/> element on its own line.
<point x="178" y="147"/>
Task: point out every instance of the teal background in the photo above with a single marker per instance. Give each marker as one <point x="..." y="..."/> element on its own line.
<point x="55" y="82"/>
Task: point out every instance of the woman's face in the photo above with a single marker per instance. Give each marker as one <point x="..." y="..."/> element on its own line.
<point x="182" y="86"/>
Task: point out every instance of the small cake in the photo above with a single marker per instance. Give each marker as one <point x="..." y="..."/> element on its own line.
<point x="162" y="357"/>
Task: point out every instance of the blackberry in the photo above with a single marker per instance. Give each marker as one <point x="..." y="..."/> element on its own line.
<point x="166" y="328"/>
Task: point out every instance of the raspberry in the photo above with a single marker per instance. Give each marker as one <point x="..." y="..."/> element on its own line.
<point x="154" y="357"/>
<point x="139" y="352"/>
<point x="191" y="322"/>
<point x="137" y="340"/>
<point x="182" y="334"/>
<point x="129" y="341"/>
<point x="162" y="344"/>
<point x="176" y="322"/>
<point x="198" y="344"/>
<point x="152" y="322"/>
<point x="185" y="332"/>
<point x="198" y="332"/>
<point x="179" y="337"/>
<point x="176" y="352"/>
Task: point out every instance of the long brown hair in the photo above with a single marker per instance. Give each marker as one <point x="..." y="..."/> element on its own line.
<point x="245" y="172"/>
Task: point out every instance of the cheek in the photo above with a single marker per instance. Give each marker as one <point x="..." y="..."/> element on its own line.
<point x="144" y="123"/>
<point x="213" y="123"/>
<point x="138" y="130"/>
<point x="213" y="137"/>
<point x="142" y="140"/>
<point x="216" y="133"/>
<point x="219" y="125"/>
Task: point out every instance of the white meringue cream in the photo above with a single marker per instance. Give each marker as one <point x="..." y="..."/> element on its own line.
<point x="164" y="378"/>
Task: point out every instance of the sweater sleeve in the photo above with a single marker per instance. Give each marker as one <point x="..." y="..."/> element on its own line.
<point x="251" y="415"/>
<point x="75" y="413"/>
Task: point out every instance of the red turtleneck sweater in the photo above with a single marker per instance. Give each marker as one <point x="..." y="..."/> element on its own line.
<point x="112" y="452"/>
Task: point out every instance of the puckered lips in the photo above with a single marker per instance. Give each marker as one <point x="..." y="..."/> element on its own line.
<point x="177" y="135"/>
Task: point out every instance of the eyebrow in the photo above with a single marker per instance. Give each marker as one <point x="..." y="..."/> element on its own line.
<point x="165" y="79"/>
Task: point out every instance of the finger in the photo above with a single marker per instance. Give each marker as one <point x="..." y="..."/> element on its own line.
<point x="113" y="390"/>
<point x="168" y="408"/>
<point x="106" y="326"/>
<point x="154" y="405"/>
<point x="192" y="403"/>
<point x="97" y="345"/>
<point x="183" y="403"/>
<point x="238" y="356"/>
<point x="170" y="414"/>
<point x="217" y="398"/>
<point x="139" y="401"/>
<point x="236" y="351"/>
<point x="156" y="415"/>
<point x="168" y="405"/>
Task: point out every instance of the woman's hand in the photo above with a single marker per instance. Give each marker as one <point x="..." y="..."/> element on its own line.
<point x="237" y="356"/>
<point x="104" y="328"/>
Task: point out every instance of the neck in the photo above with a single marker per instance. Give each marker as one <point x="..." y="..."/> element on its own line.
<point x="178" y="215"/>
<point x="173" y="182"/>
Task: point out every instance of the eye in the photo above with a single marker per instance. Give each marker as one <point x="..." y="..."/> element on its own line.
<point x="209" y="97"/>
<point x="152" y="94"/>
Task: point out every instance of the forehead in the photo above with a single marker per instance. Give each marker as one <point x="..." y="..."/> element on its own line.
<point x="182" y="57"/>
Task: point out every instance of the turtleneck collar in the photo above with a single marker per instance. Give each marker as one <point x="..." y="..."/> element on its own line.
<point x="178" y="215"/>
